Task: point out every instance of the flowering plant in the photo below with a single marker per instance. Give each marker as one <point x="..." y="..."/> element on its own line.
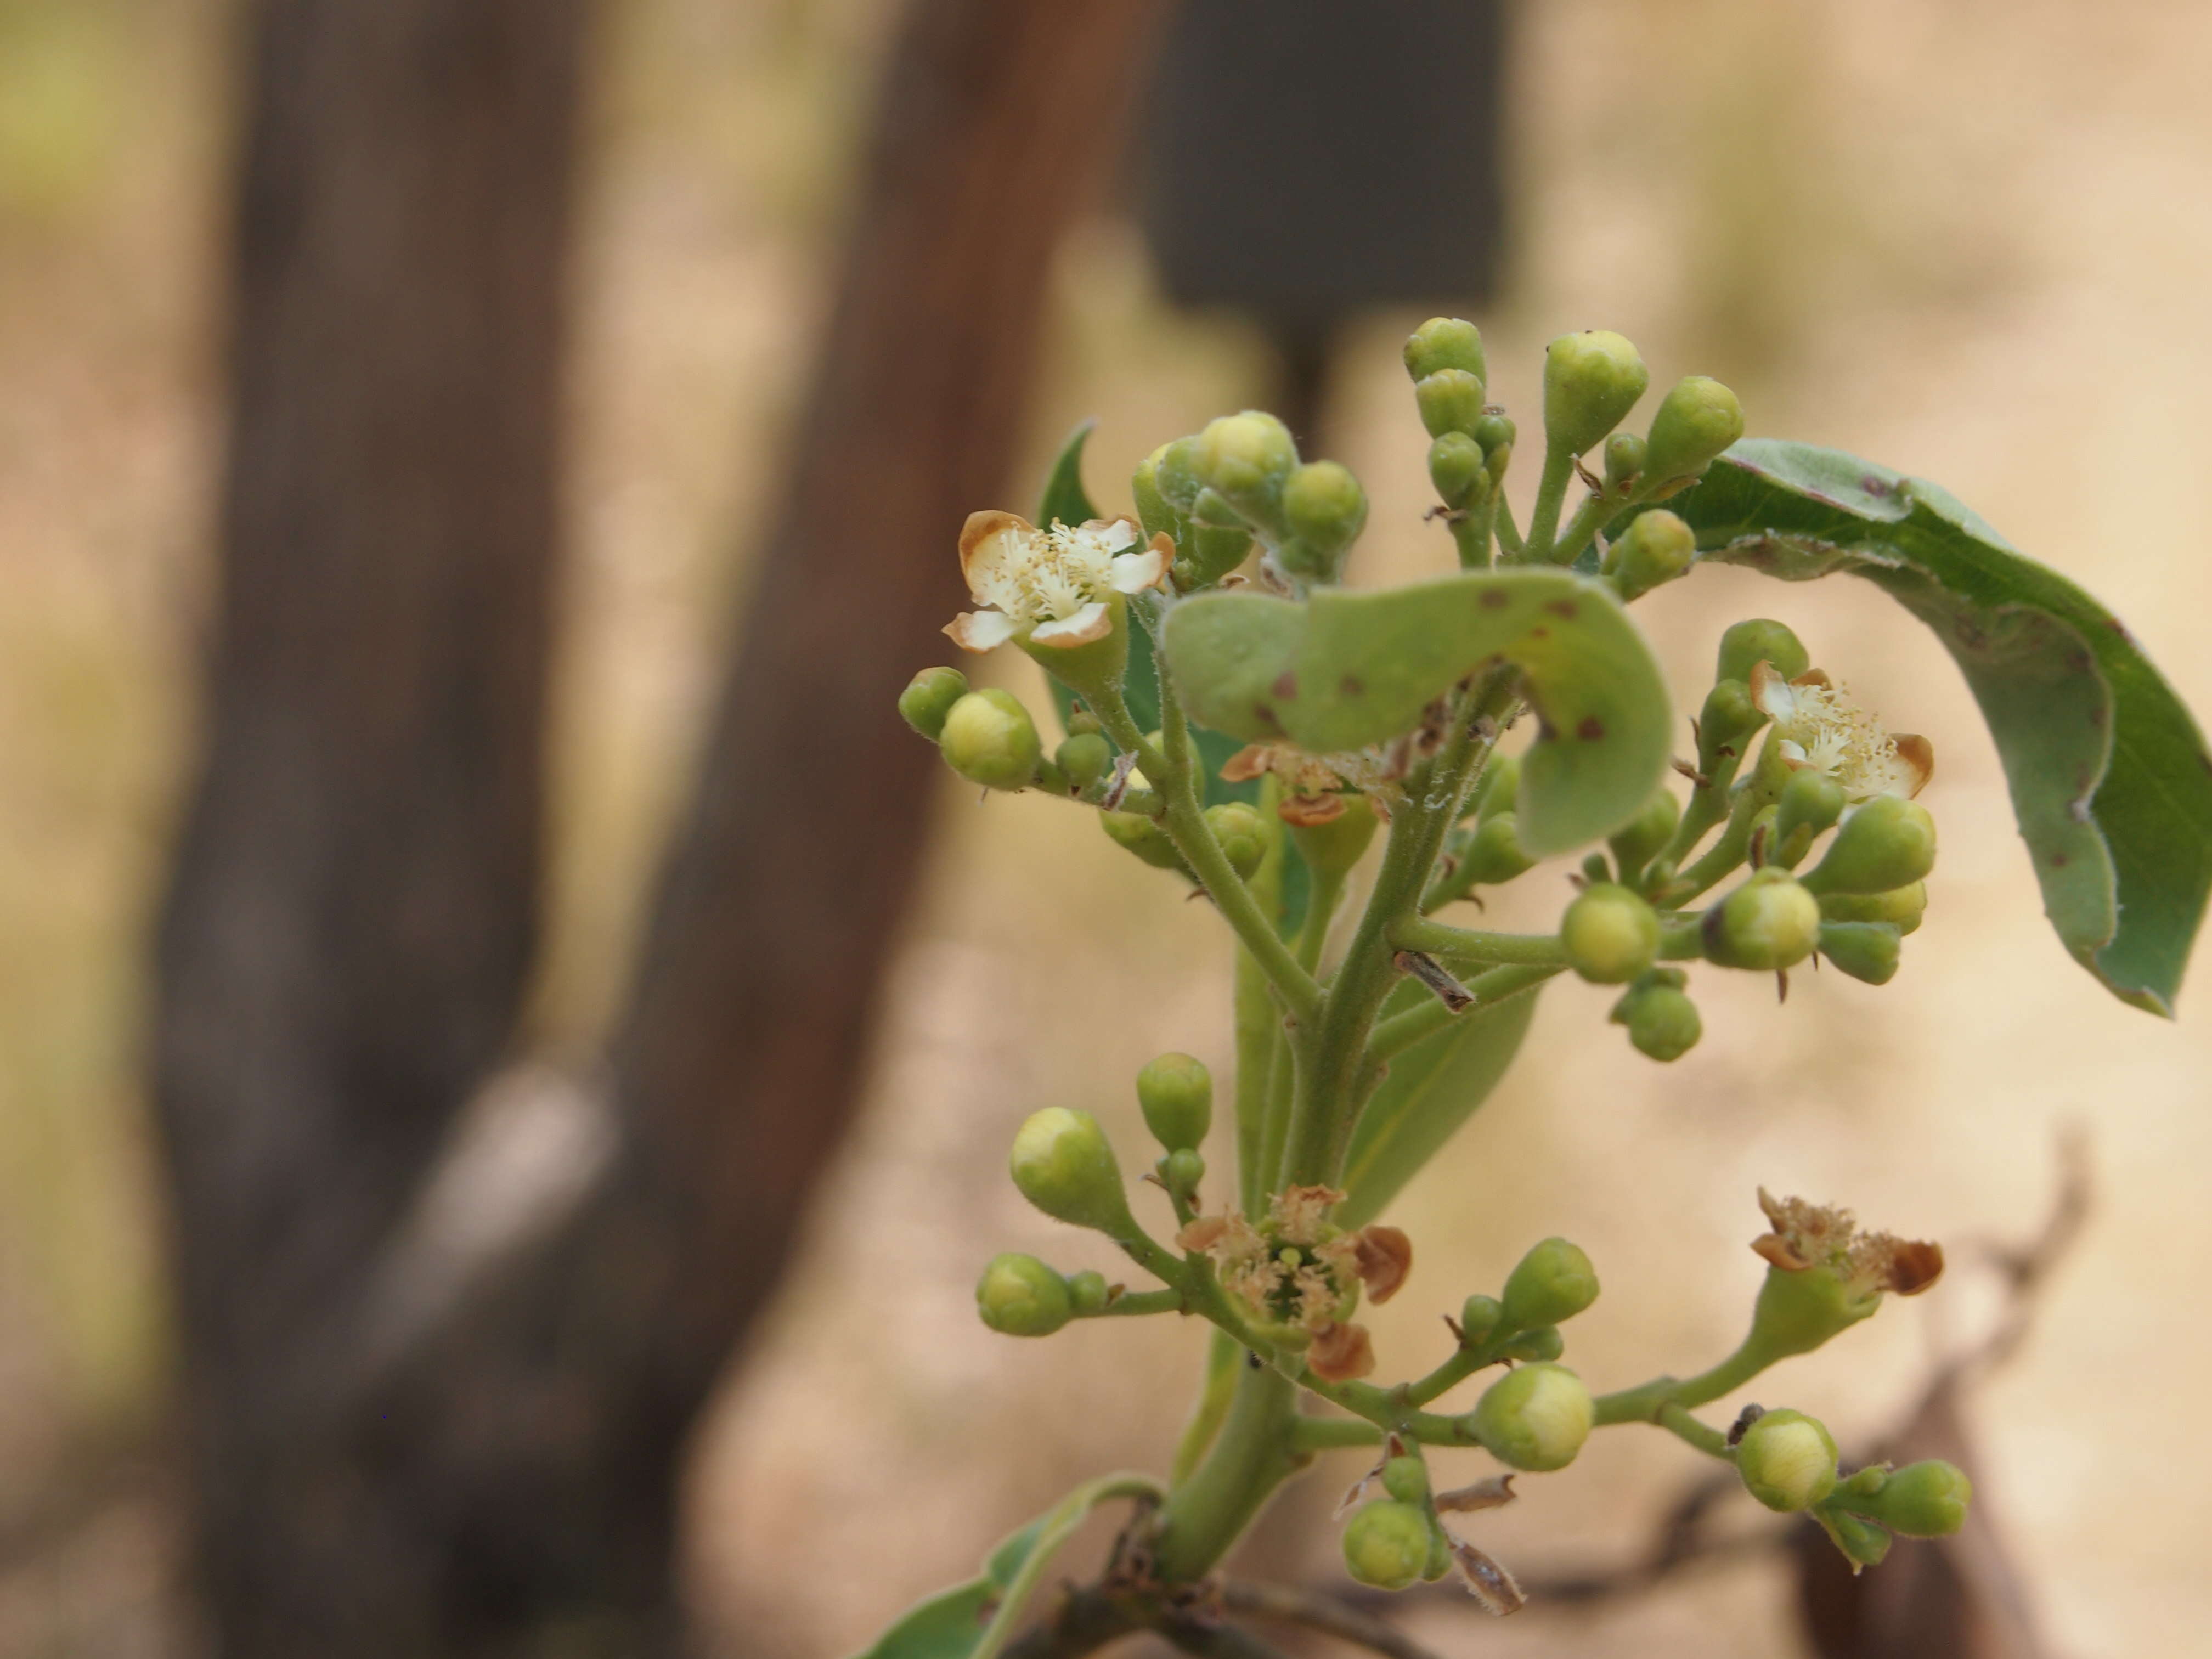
<point x="1237" y="718"/>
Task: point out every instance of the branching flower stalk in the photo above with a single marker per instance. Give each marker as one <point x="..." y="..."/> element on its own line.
<point x="1238" y="719"/>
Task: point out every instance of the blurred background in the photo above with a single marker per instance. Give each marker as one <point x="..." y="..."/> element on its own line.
<point x="507" y="1048"/>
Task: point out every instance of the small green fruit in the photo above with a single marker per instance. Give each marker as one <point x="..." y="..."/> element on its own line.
<point x="1085" y="757"/>
<point x="1902" y="907"/>
<point x="928" y="698"/>
<point x="1591" y="381"/>
<point x="1769" y="922"/>
<point x="1787" y="1461"/>
<point x="1662" y="1022"/>
<point x="1610" y="935"/>
<point x="1798" y="1311"/>
<point x="1535" y="1418"/>
<point x="1088" y="1293"/>
<point x="1866" y="950"/>
<point x="1696" y="421"/>
<point x="1451" y="400"/>
<point x="1654" y="550"/>
<point x="1020" y="1296"/>
<point x="1888" y="843"/>
<point x="1445" y="342"/>
<point x="1176" y="1092"/>
<point x="1242" y="835"/>
<point x="1549" y="1285"/>
<point x="1748" y="644"/>
<point x="1062" y="1164"/>
<point x="1386" y="1545"/>
<point x="1406" y="1479"/>
<point x="1185" y="1169"/>
<point x="1456" y="469"/>
<point x="1924" y="1500"/>
<point x="989" y="738"/>
<point x="1479" y="1315"/>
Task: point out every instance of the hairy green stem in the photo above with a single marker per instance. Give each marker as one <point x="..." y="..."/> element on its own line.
<point x="1250" y="1456"/>
<point x="1222" y="1357"/>
<point x="1644" y="1403"/>
<point x="1544" y="512"/>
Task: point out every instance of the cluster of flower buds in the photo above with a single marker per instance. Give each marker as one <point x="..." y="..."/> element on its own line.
<point x="1788" y="1462"/>
<point x="1240" y="481"/>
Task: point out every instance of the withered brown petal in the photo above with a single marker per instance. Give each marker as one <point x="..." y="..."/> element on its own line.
<point x="1341" y="1354"/>
<point x="1385" y="1259"/>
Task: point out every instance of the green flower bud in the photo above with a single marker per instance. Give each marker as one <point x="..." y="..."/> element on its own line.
<point x="1536" y="1346"/>
<point x="1245" y="457"/>
<point x="1323" y="503"/>
<point x="1787" y="1461"/>
<point x="1888" y="843"/>
<point x="1624" y="458"/>
<point x="1924" y="1500"/>
<point x="1214" y="509"/>
<point x="1143" y="836"/>
<point x="1084" y="758"/>
<point x="1185" y="1169"/>
<point x="1154" y="511"/>
<point x="1696" y="421"/>
<point x="1451" y="400"/>
<point x="1063" y="1165"/>
<point x="1386" y="1545"/>
<point x="1495" y="851"/>
<point x="1750" y="643"/>
<point x="1214" y="552"/>
<point x="1440" y="1560"/>
<point x="1175" y="473"/>
<point x="1479" y="1315"/>
<point x="1769" y="922"/>
<point x="1332" y="848"/>
<point x="1406" y="1479"/>
<point x="1445" y="342"/>
<point x="1610" y="935"/>
<point x="1176" y="1092"/>
<point x="928" y="698"/>
<point x="1663" y="1022"/>
<point x="1591" y="381"/>
<point x="1637" y="842"/>
<point x="1864" y="1543"/>
<point x="1726" y="723"/>
<point x="1655" y="548"/>
<point x="1551" y="1284"/>
<point x="1088" y="1293"/>
<point x="1456" y="468"/>
<point x="1865" y="950"/>
<point x="1500" y="788"/>
<point x="989" y="738"/>
<point x="1020" y="1296"/>
<point x="1901" y="907"/>
<point x="1535" y="1418"/>
<point x="1798" y="1311"/>
<point x="1811" y="801"/>
<point x="1496" y="431"/>
<point x="1241" y="833"/>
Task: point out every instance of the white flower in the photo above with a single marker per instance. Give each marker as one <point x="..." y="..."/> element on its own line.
<point x="1819" y="727"/>
<point x="1053" y="586"/>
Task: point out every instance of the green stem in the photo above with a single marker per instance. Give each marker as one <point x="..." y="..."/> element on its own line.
<point x="1320" y="909"/>
<point x="1544" y="513"/>
<point x="1644" y="1403"/>
<point x="1722" y="857"/>
<point x="1313" y="1434"/>
<point x="1508" y="532"/>
<point x="1462" y="1365"/>
<point x="1470" y="533"/>
<point x="1222" y="1357"/>
<point x="1135" y="1303"/>
<point x="1676" y="1420"/>
<point x="1252" y="1455"/>
<point x="1469" y="944"/>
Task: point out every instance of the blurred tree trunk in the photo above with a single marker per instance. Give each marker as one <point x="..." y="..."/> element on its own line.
<point x="351" y="921"/>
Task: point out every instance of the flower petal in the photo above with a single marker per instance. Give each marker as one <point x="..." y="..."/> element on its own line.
<point x="1093" y="621"/>
<point x="1341" y="1354"/>
<point x="1917" y="757"/>
<point x="984" y="539"/>
<point x="980" y="630"/>
<point x="1771" y="693"/>
<point x="1385" y="1258"/>
<point x="1114" y="534"/>
<point x="1133" y="573"/>
<point x="1247" y="764"/>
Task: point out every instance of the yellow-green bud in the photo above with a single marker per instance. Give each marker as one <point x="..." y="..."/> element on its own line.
<point x="1456" y="468"/>
<point x="1451" y="400"/>
<point x="1769" y="922"/>
<point x="1143" y="836"/>
<point x="1902" y="908"/>
<point x="1333" y="848"/>
<point x="928" y="698"/>
<point x="1550" y="1284"/>
<point x="1888" y="843"/>
<point x="1638" y="842"/>
<point x="1088" y="1292"/>
<point x="1406" y="1479"/>
<point x="1811" y="801"/>
<point x="1154" y="511"/>
<point x="1020" y="1296"/>
<point x="1726" y="723"/>
<point x="1245" y="457"/>
<point x="989" y="738"/>
<point x="1923" y="1500"/>
<point x="1798" y="1311"/>
<point x="1496" y="431"/>
<point x="1696" y="421"/>
<point x="1651" y="552"/>
<point x="1176" y="1092"/>
<point x="1609" y="934"/>
<point x="1787" y="1461"/>
<point x="1063" y="1165"/>
<point x="1624" y="458"/>
<point x="1760" y="640"/>
<point x="1535" y="1418"/>
<point x="1495" y="851"/>
<point x="1479" y="1315"/>
<point x="1445" y="342"/>
<point x="1241" y="833"/>
<point x="1591" y="381"/>
<point x="1083" y="757"/>
<point x="1323" y="503"/>
<point x="1440" y="1560"/>
<point x="1536" y="1346"/>
<point x="1185" y="1169"/>
<point x="1386" y="1545"/>
<point x="1865" y="950"/>
<point x="1663" y="1022"/>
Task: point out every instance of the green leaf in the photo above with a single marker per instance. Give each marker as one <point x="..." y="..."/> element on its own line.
<point x="2110" y="780"/>
<point x="1433" y="1088"/>
<point x="973" y="1620"/>
<point x="1347" y="669"/>
<point x="1066" y="500"/>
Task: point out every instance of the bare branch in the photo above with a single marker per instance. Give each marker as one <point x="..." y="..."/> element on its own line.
<point x="1325" y="1614"/>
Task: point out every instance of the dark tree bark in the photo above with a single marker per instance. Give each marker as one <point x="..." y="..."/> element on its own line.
<point x="350" y="923"/>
